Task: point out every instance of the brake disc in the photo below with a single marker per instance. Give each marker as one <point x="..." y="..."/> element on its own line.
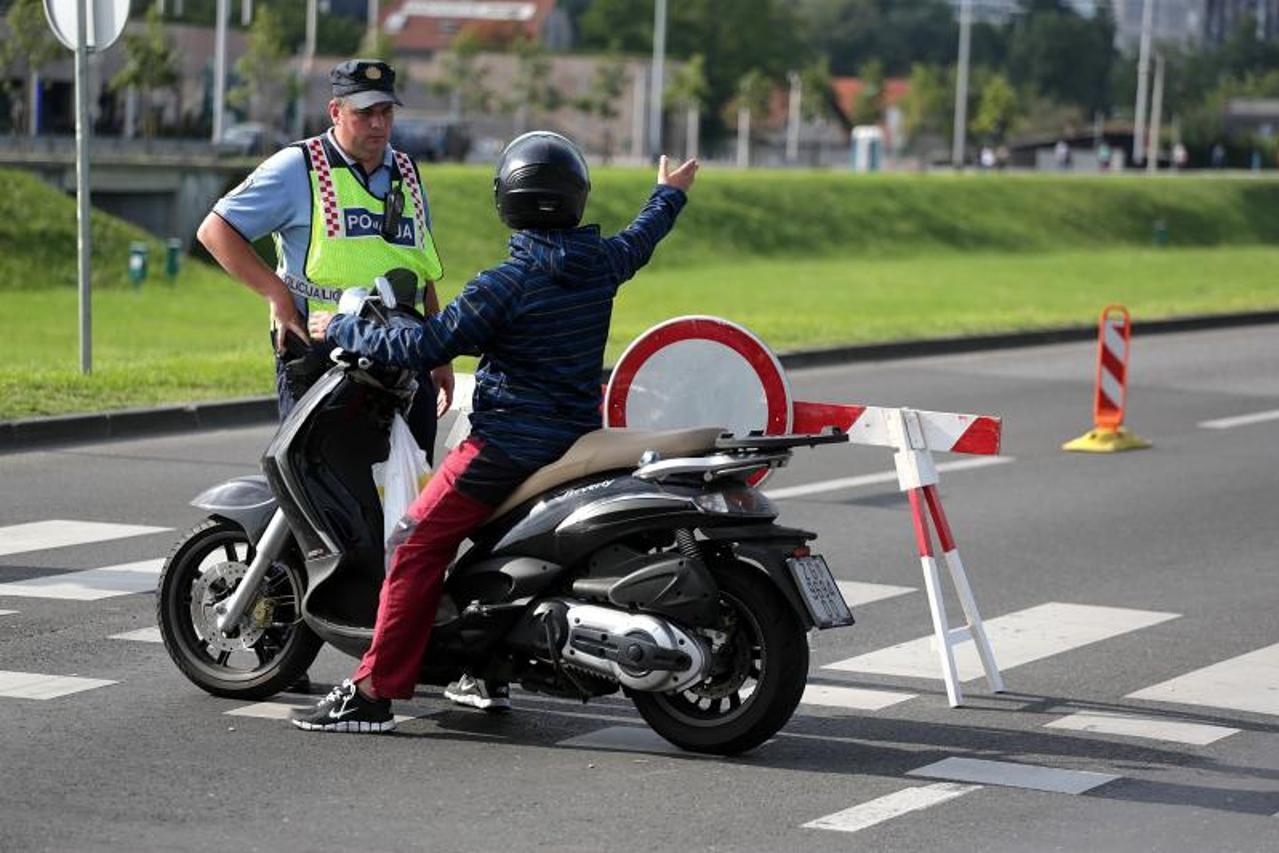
<point x="215" y="586"/>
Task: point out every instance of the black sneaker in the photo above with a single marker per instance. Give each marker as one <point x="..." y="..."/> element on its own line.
<point x="485" y="695"/>
<point x="345" y="710"/>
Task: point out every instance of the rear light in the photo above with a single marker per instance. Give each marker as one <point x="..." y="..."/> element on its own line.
<point x="802" y="551"/>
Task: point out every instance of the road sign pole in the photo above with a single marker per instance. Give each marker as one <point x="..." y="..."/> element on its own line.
<point x="85" y="26"/>
<point x="84" y="238"/>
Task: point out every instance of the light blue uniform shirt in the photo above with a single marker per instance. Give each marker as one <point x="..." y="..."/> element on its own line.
<point x="276" y="199"/>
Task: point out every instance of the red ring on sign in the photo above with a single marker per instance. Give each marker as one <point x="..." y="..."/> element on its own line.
<point x="766" y="366"/>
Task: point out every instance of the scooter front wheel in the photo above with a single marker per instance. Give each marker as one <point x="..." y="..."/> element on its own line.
<point x="268" y="650"/>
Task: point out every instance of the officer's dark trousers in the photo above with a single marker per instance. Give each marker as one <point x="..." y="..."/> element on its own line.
<point x="421" y="416"/>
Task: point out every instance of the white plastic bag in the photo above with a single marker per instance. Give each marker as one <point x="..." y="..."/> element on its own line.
<point x="400" y="478"/>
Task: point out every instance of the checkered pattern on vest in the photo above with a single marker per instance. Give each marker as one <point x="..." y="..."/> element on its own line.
<point x="409" y="174"/>
<point x="324" y="179"/>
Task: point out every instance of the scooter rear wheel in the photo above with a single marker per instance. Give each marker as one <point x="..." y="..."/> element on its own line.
<point x="270" y="648"/>
<point x="759" y="673"/>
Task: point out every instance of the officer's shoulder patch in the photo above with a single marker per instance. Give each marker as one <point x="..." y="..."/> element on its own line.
<point x="242" y="186"/>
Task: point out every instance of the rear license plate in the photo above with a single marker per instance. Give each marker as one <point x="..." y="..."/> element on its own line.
<point x="817" y="585"/>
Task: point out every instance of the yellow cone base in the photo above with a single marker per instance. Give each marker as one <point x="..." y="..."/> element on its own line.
<point x="1106" y="441"/>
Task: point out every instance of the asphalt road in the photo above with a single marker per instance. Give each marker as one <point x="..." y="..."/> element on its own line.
<point x="1100" y="576"/>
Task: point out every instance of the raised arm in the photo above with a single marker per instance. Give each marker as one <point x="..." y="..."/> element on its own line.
<point x="632" y="247"/>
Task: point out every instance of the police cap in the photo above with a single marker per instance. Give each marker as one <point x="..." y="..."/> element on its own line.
<point x="364" y="82"/>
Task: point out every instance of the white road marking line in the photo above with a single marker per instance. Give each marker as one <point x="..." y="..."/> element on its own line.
<point x="90" y="585"/>
<point x="283" y="708"/>
<point x="858" y="698"/>
<point x="857" y="593"/>
<point x="35" y="685"/>
<point x="142" y="635"/>
<point x="1249" y="682"/>
<point x="1010" y="775"/>
<point x="889" y="806"/>
<point x="1128" y="725"/>
<point x="7" y="612"/>
<point x="41" y="535"/>
<point x="874" y="479"/>
<point x="1018" y="638"/>
<point x="1240" y="420"/>
<point x="627" y="739"/>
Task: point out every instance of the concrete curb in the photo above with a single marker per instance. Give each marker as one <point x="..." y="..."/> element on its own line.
<point x="29" y="433"/>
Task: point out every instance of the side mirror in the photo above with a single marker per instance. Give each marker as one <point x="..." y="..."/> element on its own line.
<point x="385" y="292"/>
<point x="352" y="300"/>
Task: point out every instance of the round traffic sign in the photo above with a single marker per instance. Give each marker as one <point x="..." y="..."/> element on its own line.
<point x="695" y="372"/>
<point x="105" y="22"/>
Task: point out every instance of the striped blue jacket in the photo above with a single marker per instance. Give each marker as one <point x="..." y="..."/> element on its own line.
<point x="539" y="322"/>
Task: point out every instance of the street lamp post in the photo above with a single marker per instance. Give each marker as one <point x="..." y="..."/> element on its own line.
<point x="1156" y="115"/>
<point x="961" y="84"/>
<point x="1143" y="73"/>
<point x="659" y="61"/>
<point x="219" y="69"/>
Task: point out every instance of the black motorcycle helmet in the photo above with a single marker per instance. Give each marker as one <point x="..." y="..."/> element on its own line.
<point x="542" y="182"/>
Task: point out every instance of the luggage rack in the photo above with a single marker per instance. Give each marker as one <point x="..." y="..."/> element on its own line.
<point x="758" y="441"/>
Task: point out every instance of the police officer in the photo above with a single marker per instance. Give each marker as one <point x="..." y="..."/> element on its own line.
<point x="343" y="207"/>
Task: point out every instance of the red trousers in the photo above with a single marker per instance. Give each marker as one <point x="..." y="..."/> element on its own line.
<point x="459" y="497"/>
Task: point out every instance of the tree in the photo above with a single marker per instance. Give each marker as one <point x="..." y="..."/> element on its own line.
<point x="532" y="91"/>
<point x="263" y="88"/>
<point x="926" y="107"/>
<point x="688" y="90"/>
<point x="1062" y="55"/>
<point x="26" y="50"/>
<point x="151" y="64"/>
<point x="378" y="44"/>
<point x="464" y="78"/>
<point x="819" y="91"/>
<point x="997" y="108"/>
<point x="733" y="38"/>
<point x="602" y="98"/>
<point x="754" y="94"/>
<point x="869" y="108"/>
<point x="895" y="32"/>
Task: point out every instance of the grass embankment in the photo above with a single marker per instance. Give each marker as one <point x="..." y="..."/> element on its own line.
<point x="804" y="259"/>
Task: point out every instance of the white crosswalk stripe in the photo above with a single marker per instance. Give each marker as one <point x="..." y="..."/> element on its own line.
<point x="855" y="698"/>
<point x="90" y="585"/>
<point x="142" y="635"/>
<point x="1017" y="638"/>
<point x="58" y="533"/>
<point x="859" y="593"/>
<point x="889" y="806"/>
<point x="1011" y="775"/>
<point x="35" y="685"/>
<point x="1249" y="682"/>
<point x="1150" y="728"/>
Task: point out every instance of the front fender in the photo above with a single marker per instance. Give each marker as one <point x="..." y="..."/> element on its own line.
<point x="246" y="501"/>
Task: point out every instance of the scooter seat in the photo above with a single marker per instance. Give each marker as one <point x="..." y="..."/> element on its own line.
<point x="611" y="450"/>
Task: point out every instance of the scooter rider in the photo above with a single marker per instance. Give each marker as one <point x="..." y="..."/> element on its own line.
<point x="344" y="207"/>
<point x="539" y="322"/>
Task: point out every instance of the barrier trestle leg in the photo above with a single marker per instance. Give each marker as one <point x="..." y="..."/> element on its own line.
<point x="917" y="476"/>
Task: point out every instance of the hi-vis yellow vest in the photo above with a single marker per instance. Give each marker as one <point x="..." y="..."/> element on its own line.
<point x="347" y="248"/>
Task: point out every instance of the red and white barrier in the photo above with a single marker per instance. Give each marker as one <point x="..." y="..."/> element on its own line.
<point x="705" y="371"/>
<point x="1110" y="397"/>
